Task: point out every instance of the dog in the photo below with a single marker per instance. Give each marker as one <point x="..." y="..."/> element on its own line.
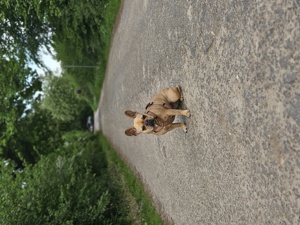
<point x="160" y="114"/>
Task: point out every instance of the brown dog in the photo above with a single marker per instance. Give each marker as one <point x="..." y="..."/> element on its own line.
<point x="160" y="114"/>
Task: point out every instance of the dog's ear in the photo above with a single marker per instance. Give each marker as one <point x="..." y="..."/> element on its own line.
<point x="131" y="131"/>
<point x="130" y="113"/>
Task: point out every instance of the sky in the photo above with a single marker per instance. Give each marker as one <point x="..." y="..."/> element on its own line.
<point x="52" y="64"/>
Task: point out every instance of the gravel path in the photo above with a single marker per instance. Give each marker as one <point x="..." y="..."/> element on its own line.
<point x="237" y="62"/>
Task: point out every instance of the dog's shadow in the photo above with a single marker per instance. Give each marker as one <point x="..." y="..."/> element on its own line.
<point x="182" y="105"/>
<point x="179" y="105"/>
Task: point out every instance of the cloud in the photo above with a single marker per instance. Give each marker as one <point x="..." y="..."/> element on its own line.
<point x="49" y="61"/>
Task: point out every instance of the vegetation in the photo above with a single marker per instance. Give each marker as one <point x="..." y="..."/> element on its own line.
<point x="141" y="209"/>
<point x="82" y="41"/>
<point x="70" y="186"/>
<point x="75" y="31"/>
<point x="52" y="171"/>
<point x="61" y="100"/>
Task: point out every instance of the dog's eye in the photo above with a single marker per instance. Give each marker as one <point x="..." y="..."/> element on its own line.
<point x="144" y="117"/>
<point x="143" y="128"/>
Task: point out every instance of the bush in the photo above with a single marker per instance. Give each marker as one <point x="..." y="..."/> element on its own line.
<point x="71" y="186"/>
<point x="60" y="99"/>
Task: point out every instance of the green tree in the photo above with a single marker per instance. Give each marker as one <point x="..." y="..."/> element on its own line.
<point x="78" y="40"/>
<point x="24" y="27"/>
<point x="18" y="86"/>
<point x="32" y="135"/>
<point x="60" y="99"/>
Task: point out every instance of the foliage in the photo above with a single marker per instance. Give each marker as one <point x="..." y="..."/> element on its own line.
<point x="78" y="43"/>
<point x="60" y="98"/>
<point x="66" y="187"/>
<point x="82" y="38"/>
<point x="18" y="87"/>
<point x="33" y="135"/>
<point x="24" y="28"/>
<point x="22" y="31"/>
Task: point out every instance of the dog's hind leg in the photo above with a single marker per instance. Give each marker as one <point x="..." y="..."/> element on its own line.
<point x="174" y="94"/>
<point x="180" y="92"/>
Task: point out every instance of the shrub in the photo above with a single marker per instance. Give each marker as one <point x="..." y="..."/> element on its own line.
<point x="71" y="186"/>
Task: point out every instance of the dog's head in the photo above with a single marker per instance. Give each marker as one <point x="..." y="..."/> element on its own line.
<point x="142" y="123"/>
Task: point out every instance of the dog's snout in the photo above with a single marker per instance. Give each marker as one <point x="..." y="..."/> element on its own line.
<point x="150" y="123"/>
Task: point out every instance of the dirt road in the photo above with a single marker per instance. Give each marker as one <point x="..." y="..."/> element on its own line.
<point x="237" y="62"/>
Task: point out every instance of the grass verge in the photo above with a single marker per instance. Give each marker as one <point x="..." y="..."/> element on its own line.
<point x="109" y="14"/>
<point x="141" y="208"/>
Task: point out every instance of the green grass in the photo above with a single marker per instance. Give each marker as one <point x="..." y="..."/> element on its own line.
<point x="141" y="208"/>
<point x="109" y="14"/>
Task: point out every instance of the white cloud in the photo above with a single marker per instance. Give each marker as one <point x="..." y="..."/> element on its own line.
<point x="49" y="61"/>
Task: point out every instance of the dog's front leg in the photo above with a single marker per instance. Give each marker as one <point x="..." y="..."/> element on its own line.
<point x="171" y="127"/>
<point x="175" y="112"/>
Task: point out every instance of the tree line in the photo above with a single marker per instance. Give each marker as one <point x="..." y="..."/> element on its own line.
<point x="72" y="28"/>
<point x="51" y="170"/>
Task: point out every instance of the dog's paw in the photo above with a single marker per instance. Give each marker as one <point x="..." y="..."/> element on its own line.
<point x="187" y="113"/>
<point x="184" y="127"/>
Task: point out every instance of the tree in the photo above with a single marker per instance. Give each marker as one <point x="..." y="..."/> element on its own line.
<point x="23" y="30"/>
<point x="60" y="98"/>
<point x="18" y="86"/>
<point x="24" y="27"/>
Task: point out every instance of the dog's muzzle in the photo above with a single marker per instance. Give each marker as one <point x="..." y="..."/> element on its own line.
<point x="150" y="123"/>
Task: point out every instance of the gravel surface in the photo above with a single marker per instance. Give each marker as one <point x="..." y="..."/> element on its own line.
<point x="237" y="62"/>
